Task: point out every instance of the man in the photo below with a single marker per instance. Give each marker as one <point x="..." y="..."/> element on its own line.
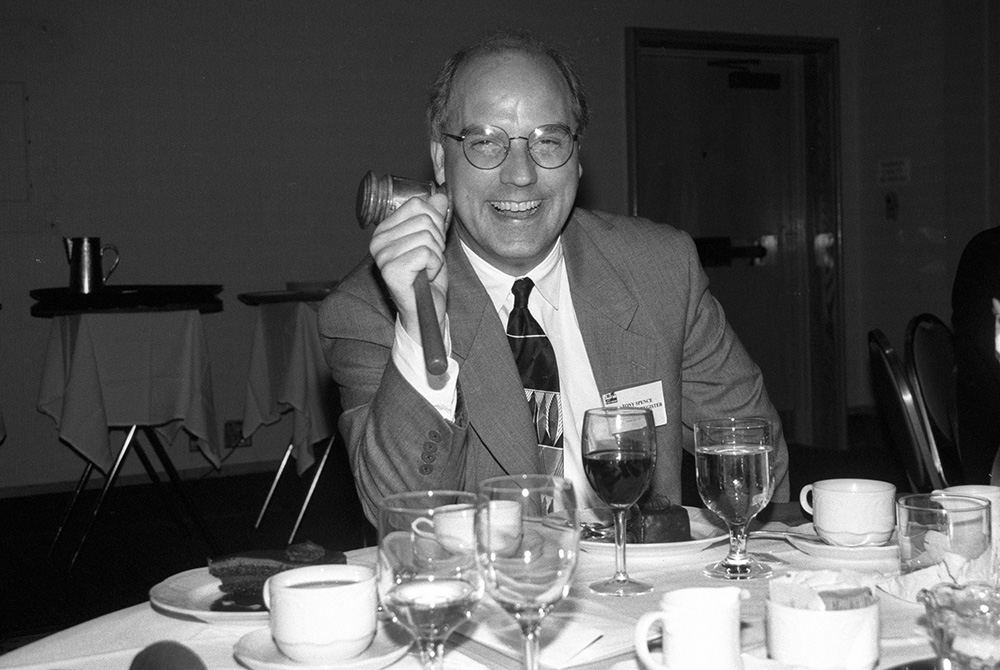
<point x="623" y="302"/>
<point x="975" y="318"/>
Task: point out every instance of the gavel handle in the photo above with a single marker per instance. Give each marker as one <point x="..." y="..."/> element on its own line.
<point x="430" y="332"/>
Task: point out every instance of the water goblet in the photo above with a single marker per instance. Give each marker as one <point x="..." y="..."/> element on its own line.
<point x="619" y="454"/>
<point x="529" y="577"/>
<point x="428" y="579"/>
<point x="734" y="462"/>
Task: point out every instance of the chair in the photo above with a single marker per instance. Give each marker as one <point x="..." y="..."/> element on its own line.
<point x="930" y="367"/>
<point x="901" y="415"/>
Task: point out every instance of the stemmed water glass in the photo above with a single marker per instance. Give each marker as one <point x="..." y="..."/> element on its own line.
<point x="428" y="578"/>
<point x="528" y="559"/>
<point x="619" y="454"/>
<point x="734" y="461"/>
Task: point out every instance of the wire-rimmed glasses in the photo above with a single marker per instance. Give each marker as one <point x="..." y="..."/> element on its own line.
<point x="486" y="147"/>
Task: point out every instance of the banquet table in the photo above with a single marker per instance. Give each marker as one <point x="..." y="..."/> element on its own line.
<point x="584" y="631"/>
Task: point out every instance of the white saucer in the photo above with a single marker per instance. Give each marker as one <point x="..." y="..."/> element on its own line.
<point x="885" y="552"/>
<point x="192" y="593"/>
<point x="257" y="651"/>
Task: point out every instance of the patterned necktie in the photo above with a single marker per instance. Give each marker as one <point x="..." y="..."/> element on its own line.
<point x="536" y="361"/>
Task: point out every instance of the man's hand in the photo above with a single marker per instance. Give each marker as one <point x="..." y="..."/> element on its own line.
<point x="412" y="239"/>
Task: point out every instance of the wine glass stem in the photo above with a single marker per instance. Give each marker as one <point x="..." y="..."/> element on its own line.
<point x="737" y="544"/>
<point x="532" y="630"/>
<point x="431" y="654"/>
<point x="620" y="573"/>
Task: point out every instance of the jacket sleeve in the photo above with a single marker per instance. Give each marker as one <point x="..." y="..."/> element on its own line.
<point x="396" y="440"/>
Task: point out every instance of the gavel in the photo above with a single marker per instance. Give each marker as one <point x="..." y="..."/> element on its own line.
<point x="378" y="197"/>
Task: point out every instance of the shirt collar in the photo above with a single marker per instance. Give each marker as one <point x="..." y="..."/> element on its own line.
<point x="546" y="276"/>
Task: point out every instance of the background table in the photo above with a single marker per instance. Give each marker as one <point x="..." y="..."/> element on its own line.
<point x="129" y="369"/>
<point x="288" y="374"/>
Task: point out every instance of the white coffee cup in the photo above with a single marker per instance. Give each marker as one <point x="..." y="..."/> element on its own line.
<point x="322" y="613"/>
<point x="454" y="527"/>
<point x="823" y="639"/>
<point x="851" y="512"/>
<point x="701" y="629"/>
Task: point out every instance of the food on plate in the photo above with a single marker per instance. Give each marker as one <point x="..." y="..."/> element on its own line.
<point x="822" y="590"/>
<point x="243" y="574"/>
<point x="655" y="519"/>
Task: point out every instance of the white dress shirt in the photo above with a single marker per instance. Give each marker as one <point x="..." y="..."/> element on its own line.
<point x="551" y="303"/>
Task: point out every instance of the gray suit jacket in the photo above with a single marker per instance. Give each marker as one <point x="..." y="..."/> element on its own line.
<point x="645" y="314"/>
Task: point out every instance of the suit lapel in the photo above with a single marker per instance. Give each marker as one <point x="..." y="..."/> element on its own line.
<point x="490" y="385"/>
<point x="621" y="349"/>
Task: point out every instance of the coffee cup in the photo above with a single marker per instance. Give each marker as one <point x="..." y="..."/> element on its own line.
<point x="322" y="613"/>
<point x="851" y="512"/>
<point x="686" y="617"/>
<point x="453" y="527"/>
<point x="823" y="639"/>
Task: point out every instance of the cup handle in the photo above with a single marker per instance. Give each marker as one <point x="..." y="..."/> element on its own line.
<point x="642" y="627"/>
<point x="426" y="533"/>
<point x="113" y="248"/>
<point x="804" y="498"/>
<point x="265" y="593"/>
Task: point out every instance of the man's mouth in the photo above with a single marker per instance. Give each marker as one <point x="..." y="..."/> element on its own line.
<point x="511" y="207"/>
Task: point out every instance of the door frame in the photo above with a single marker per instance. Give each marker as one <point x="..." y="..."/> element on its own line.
<point x="821" y="89"/>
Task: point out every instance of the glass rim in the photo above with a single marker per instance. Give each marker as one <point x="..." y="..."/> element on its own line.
<point x="388" y="503"/>
<point x="625" y="411"/>
<point x="735" y="422"/>
<point x="971" y="503"/>
<point x="525" y="482"/>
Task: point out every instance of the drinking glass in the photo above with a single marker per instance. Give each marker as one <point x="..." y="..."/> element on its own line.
<point x="425" y="586"/>
<point x="529" y="577"/>
<point x="619" y="453"/>
<point x="735" y="471"/>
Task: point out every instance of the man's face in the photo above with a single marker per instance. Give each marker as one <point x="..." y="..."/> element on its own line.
<point x="510" y="215"/>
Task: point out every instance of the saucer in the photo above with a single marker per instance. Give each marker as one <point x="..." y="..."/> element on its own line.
<point x="257" y="651"/>
<point x="885" y="552"/>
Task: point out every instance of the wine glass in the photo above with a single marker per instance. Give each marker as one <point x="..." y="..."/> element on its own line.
<point x="734" y="461"/>
<point x="428" y="579"/>
<point x="529" y="558"/>
<point x="619" y="454"/>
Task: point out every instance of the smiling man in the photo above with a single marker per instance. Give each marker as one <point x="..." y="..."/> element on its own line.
<point x="620" y="311"/>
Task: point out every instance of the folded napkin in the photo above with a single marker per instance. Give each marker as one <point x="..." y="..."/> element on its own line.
<point x="576" y="633"/>
<point x="951" y="568"/>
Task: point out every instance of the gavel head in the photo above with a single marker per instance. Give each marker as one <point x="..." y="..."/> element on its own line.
<point x="380" y="195"/>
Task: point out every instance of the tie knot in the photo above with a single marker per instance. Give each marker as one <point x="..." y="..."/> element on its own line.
<point x="522" y="287"/>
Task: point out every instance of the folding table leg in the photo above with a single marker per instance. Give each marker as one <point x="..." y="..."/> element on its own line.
<point x="312" y="487"/>
<point x="108" y="483"/>
<point x="80" y="486"/>
<point x="274" y="484"/>
<point x="161" y="489"/>
<point x="175" y="481"/>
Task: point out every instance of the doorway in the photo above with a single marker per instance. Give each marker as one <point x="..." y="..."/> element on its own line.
<point x="733" y="138"/>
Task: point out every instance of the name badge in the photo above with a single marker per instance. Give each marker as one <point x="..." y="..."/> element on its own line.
<point x="649" y="396"/>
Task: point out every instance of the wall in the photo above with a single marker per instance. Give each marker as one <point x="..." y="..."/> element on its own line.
<point x="222" y="142"/>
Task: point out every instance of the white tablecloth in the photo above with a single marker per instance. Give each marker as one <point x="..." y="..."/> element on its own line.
<point x="110" y="642"/>
<point x="123" y="369"/>
<point x="288" y="373"/>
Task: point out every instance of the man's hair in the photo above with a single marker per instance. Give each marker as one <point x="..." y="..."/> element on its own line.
<point x="500" y="42"/>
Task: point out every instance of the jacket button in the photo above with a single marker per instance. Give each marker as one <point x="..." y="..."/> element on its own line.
<point x="428" y="457"/>
<point x="430" y="447"/>
<point x="426" y="469"/>
<point x="434" y="435"/>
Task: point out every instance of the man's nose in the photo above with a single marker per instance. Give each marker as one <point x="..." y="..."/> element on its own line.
<point x="519" y="168"/>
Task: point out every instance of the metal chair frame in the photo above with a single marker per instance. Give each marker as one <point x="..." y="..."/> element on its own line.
<point x="904" y="415"/>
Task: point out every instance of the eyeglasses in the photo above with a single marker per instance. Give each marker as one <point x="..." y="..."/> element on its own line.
<point x="486" y="147"/>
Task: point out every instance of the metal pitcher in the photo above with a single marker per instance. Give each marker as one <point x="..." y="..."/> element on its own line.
<point x="85" y="255"/>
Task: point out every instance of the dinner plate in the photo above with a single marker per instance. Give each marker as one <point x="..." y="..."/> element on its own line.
<point x="706" y="530"/>
<point x="257" y="651"/>
<point x="886" y="552"/>
<point x="192" y="593"/>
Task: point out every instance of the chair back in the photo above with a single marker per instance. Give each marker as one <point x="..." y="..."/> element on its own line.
<point x="930" y="367"/>
<point x="900" y="414"/>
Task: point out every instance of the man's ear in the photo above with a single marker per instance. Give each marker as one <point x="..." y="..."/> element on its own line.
<point x="437" y="156"/>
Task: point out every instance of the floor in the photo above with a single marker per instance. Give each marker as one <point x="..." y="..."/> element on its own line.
<point x="136" y="544"/>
